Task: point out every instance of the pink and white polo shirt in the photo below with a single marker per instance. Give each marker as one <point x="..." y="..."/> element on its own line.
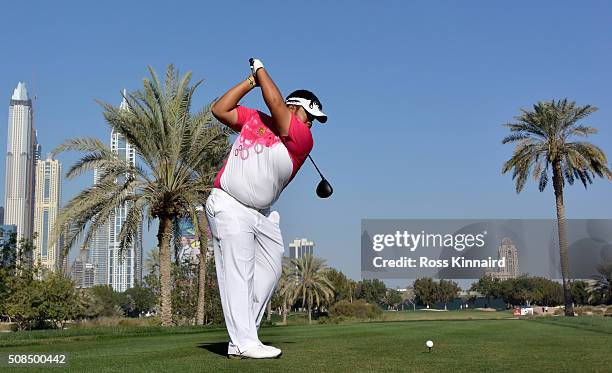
<point x="261" y="163"/>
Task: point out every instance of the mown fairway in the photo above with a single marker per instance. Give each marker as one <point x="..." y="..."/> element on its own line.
<point x="554" y="344"/>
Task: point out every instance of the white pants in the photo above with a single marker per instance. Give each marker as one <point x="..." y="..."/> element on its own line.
<point x="248" y="255"/>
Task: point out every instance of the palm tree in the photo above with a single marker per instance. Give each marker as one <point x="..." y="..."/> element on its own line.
<point x="200" y="309"/>
<point x="174" y="148"/>
<point x="313" y="286"/>
<point x="544" y="141"/>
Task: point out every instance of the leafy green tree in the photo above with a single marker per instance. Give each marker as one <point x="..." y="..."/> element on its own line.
<point x="61" y="301"/>
<point x="446" y="291"/>
<point x="102" y="300"/>
<point x="141" y="300"/>
<point x="343" y="286"/>
<point x="372" y="291"/>
<point x="24" y="294"/>
<point x="531" y="290"/>
<point x="23" y="304"/>
<point x="551" y="291"/>
<point x="177" y="153"/>
<point x="487" y="286"/>
<point x="313" y="286"/>
<point x="34" y="301"/>
<point x="544" y="142"/>
<point x="425" y="289"/>
<point x="392" y="298"/>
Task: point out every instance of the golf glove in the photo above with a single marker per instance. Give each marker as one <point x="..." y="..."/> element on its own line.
<point x="255" y="65"/>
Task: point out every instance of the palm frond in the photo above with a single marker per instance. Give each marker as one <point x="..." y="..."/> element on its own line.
<point x="543" y="135"/>
<point x="87" y="144"/>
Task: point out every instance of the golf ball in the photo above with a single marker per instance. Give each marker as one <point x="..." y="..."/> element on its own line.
<point x="429" y="344"/>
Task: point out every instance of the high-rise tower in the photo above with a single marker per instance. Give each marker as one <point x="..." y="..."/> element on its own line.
<point x="118" y="268"/>
<point x="19" y="177"/>
<point x="46" y="207"/>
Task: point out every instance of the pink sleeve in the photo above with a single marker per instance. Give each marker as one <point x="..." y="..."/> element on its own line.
<point x="298" y="142"/>
<point x="244" y="114"/>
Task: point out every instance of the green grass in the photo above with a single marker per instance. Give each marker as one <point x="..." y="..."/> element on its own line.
<point x="543" y="344"/>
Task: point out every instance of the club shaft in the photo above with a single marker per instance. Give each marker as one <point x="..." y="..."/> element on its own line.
<point x="314" y="164"/>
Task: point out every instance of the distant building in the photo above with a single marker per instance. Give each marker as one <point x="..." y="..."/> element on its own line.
<point x="19" y="177"/>
<point x="508" y="251"/>
<point x="36" y="149"/>
<point x="8" y="245"/>
<point x="99" y="248"/>
<point x="299" y="248"/>
<point x="1" y="215"/>
<point x="47" y="201"/>
<point x="83" y="272"/>
<point x="121" y="269"/>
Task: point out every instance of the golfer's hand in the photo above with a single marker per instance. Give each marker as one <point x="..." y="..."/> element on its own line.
<point x="256" y="64"/>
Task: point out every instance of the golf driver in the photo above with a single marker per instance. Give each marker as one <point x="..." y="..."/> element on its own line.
<point x="324" y="189"/>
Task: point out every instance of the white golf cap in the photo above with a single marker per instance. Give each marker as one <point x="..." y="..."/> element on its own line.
<point x="309" y="102"/>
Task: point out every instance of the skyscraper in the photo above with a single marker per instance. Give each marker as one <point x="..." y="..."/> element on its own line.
<point x="47" y="200"/>
<point x="36" y="149"/>
<point x="82" y="271"/>
<point x="299" y="248"/>
<point x="99" y="247"/>
<point x="506" y="250"/>
<point x="1" y="215"/>
<point x="118" y="268"/>
<point x="19" y="177"/>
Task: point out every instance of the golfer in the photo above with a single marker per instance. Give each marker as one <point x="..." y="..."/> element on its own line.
<point x="246" y="235"/>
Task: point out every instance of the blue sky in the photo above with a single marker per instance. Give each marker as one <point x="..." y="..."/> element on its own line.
<point x="416" y="93"/>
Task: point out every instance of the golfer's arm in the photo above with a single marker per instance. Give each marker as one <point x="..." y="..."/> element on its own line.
<point x="281" y="116"/>
<point x="224" y="109"/>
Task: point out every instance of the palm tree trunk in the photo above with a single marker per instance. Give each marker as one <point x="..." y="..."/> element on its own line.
<point x="202" y="279"/>
<point x="163" y="238"/>
<point x="309" y="315"/>
<point x="285" y="313"/>
<point x="269" y="311"/>
<point x="564" y="260"/>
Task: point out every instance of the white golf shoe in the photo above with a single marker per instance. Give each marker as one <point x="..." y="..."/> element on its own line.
<point x="258" y="352"/>
<point x="272" y="348"/>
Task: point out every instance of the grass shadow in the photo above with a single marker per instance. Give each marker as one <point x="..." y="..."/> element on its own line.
<point x="218" y="348"/>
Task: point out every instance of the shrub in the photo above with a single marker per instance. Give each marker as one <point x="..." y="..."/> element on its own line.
<point x="359" y="309"/>
<point x="116" y="321"/>
<point x="334" y="320"/>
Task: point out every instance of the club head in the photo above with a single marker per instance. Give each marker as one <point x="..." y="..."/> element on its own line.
<point x="324" y="189"/>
